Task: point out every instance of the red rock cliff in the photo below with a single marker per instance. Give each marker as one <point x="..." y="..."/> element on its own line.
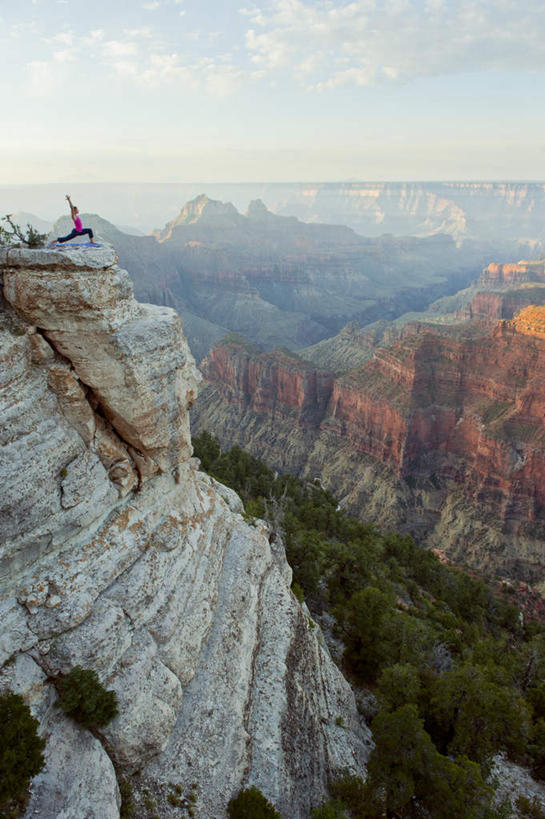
<point x="274" y="383"/>
<point x="466" y="413"/>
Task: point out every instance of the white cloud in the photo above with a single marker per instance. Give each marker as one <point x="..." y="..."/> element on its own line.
<point x="125" y="68"/>
<point x="161" y="69"/>
<point x="64" y="38"/>
<point x="329" y="44"/>
<point x="120" y="48"/>
<point x="66" y="55"/>
<point x="144" y="33"/>
<point x="220" y="80"/>
<point x="214" y="76"/>
<point x="151" y="6"/>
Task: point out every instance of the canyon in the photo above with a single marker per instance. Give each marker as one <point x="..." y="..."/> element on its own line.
<point x="432" y="426"/>
<point x="119" y="555"/>
<point x="283" y="282"/>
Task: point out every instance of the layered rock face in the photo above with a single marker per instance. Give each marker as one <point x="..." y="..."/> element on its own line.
<point x="479" y="209"/>
<point x="441" y="433"/>
<point x="117" y="554"/>
<point x="492" y="306"/>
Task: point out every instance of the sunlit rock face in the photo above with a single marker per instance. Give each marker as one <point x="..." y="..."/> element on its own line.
<point x="441" y="433"/>
<point x="117" y="554"/>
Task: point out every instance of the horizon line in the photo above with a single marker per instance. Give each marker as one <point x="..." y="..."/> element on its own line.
<point x="352" y="181"/>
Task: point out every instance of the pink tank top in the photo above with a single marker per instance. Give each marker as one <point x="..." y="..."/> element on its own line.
<point x="77" y="223"/>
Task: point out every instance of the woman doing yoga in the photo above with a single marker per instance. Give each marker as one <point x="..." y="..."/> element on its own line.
<point x="78" y="229"/>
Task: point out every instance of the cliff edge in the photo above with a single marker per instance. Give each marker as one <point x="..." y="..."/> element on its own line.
<point x="117" y="554"/>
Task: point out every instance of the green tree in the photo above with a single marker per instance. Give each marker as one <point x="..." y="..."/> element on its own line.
<point x="536" y="748"/>
<point x="457" y="790"/>
<point x="363" y="621"/>
<point x="400" y="763"/>
<point x="251" y="804"/>
<point x="207" y="449"/>
<point x="21" y="748"/>
<point x="473" y="715"/>
<point x="530" y="809"/>
<point x="398" y="685"/>
<point x="329" y="810"/>
<point x="304" y="551"/>
<point x="349" y="792"/>
<point x="83" y="697"/>
<point x="406" y="774"/>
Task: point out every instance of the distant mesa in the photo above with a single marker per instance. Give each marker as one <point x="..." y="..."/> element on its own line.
<point x="258" y="212"/>
<point x="203" y="211"/>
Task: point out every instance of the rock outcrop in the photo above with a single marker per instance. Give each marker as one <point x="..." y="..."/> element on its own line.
<point x="442" y="433"/>
<point x="117" y="554"/>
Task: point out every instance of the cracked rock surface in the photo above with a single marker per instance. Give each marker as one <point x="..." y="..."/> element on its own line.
<point x="117" y="554"/>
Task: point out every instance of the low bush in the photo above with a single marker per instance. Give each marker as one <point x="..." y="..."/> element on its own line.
<point x="83" y="697"/>
<point x="12" y="234"/>
<point x="21" y="748"/>
<point x="329" y="810"/>
<point x="251" y="804"/>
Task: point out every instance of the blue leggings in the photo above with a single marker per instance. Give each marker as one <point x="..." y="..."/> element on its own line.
<point x="74" y="233"/>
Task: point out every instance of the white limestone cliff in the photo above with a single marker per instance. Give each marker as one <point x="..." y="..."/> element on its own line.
<point x="117" y="554"/>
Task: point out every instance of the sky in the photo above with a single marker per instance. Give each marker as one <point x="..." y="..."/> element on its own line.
<point x="279" y="90"/>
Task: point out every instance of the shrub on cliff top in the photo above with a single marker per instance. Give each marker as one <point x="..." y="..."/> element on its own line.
<point x="83" y="697"/>
<point x="13" y="234"/>
<point x="251" y="804"/>
<point x="21" y="747"/>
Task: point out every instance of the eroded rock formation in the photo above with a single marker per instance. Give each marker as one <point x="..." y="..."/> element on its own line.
<point x="117" y="554"/>
<point x="442" y="433"/>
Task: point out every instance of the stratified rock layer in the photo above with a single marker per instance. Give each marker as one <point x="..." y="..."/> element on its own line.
<point x="442" y="433"/>
<point x="118" y="555"/>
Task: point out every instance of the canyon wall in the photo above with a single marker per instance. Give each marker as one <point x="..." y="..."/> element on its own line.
<point x="118" y="555"/>
<point x="441" y="434"/>
<point x="496" y="210"/>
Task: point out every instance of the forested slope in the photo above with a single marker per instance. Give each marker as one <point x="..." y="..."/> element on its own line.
<point x="455" y="666"/>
